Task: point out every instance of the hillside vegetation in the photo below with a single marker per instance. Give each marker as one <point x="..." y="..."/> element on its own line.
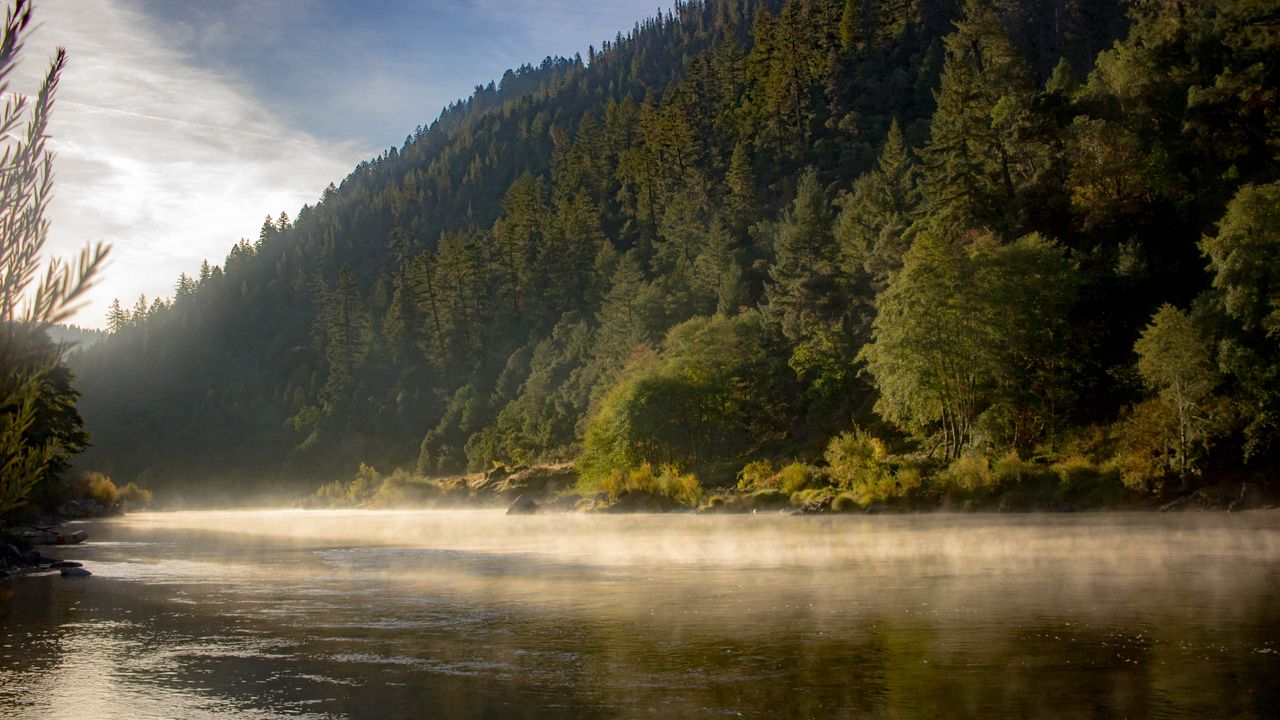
<point x="902" y="245"/>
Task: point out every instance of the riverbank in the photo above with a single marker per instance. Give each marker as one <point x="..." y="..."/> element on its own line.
<point x="558" y="488"/>
<point x="20" y="556"/>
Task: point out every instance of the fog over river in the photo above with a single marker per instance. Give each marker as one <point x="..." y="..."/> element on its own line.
<point x="473" y="614"/>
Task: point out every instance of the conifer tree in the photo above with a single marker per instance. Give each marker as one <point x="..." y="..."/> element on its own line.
<point x="874" y="218"/>
<point x="345" y="329"/>
<point x="977" y="153"/>
<point x="802" y="293"/>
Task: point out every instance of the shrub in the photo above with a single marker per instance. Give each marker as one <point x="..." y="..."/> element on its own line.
<point x="769" y="497"/>
<point x="812" y="496"/>
<point x="135" y="497"/>
<point x="361" y="489"/>
<point x="714" y="391"/>
<point x="908" y="479"/>
<point x="1080" y="475"/>
<point x="845" y="503"/>
<point x="1012" y="470"/>
<point x="969" y="473"/>
<point x="332" y="493"/>
<point x="1145" y="457"/>
<point x="855" y="461"/>
<point x="1075" y="471"/>
<point x="795" y="477"/>
<point x="97" y="487"/>
<point x="761" y="475"/>
<point x="684" y="488"/>
<point x="365" y="484"/>
<point x="756" y="475"/>
<point x="391" y="491"/>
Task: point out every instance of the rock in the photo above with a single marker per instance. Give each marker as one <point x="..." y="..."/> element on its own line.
<point x="66" y="564"/>
<point x="522" y="505"/>
<point x="538" y="481"/>
<point x="31" y="557"/>
<point x="12" y="552"/>
<point x="75" y="572"/>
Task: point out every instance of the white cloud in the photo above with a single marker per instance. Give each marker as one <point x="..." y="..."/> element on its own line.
<point x="167" y="162"/>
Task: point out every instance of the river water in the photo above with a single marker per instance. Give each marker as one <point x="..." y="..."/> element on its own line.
<point x="472" y="614"/>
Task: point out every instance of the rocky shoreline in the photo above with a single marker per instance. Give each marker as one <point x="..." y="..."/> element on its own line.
<point x="15" y="561"/>
<point x="21" y="557"/>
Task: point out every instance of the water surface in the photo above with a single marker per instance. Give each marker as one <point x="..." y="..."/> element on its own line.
<point x="472" y="614"/>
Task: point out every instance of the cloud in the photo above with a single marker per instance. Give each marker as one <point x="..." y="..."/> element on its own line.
<point x="181" y="124"/>
<point x="167" y="162"/>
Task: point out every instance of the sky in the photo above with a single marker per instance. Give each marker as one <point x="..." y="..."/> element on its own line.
<point x="179" y="125"/>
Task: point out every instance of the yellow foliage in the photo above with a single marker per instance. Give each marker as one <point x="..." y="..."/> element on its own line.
<point x="99" y="488"/>
<point x="135" y="497"/>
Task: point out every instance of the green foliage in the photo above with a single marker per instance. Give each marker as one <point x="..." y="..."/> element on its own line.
<point x="845" y="503"/>
<point x="969" y="473"/>
<point x="795" y="477"/>
<point x="1174" y="359"/>
<point x="134" y="497"/>
<point x="680" y="252"/>
<point x="667" y="481"/>
<point x="1078" y="472"/>
<point x="856" y="460"/>
<point x="961" y="334"/>
<point x="1147" y="457"/>
<point x="761" y="476"/>
<point x="39" y="426"/>
<point x="712" y="393"/>
<point x="858" y="463"/>
<point x="756" y="475"/>
<point x="801" y="294"/>
<point x="1244" y="258"/>
<point x="871" y="228"/>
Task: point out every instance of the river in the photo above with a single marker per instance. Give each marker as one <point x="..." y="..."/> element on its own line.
<point x="472" y="614"/>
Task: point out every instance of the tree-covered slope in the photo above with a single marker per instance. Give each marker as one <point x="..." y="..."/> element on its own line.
<point x="948" y="223"/>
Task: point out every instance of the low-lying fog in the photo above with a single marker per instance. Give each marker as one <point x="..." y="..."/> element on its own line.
<point x="473" y="613"/>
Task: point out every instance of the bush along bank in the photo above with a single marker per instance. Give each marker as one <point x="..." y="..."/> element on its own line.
<point x="856" y="472"/>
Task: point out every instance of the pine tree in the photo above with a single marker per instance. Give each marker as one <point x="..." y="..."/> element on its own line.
<point x="978" y="150"/>
<point x="517" y="234"/>
<point x="802" y="293"/>
<point x="117" y="317"/>
<point x="345" y="329"/>
<point x="742" y="201"/>
<point x="874" y="218"/>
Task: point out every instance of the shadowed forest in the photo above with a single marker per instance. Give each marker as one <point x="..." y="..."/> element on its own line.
<point x="884" y="248"/>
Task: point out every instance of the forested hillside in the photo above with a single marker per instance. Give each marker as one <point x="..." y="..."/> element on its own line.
<point x="965" y="232"/>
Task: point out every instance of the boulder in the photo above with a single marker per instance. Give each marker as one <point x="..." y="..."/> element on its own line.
<point x="69" y="572"/>
<point x="66" y="564"/>
<point x="31" y="557"/>
<point x="523" y="505"/>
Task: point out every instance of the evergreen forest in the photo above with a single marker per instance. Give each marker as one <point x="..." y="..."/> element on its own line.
<point x="883" y="246"/>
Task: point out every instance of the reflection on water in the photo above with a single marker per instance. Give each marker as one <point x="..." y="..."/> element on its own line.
<point x="472" y="614"/>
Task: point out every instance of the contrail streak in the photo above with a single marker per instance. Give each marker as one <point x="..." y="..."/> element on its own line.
<point x="190" y="123"/>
